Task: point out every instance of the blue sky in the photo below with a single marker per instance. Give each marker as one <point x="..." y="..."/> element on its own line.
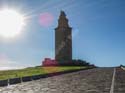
<point x="98" y="32"/>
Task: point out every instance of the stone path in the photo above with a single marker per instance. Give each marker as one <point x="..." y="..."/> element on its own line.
<point x="119" y="81"/>
<point x="96" y="80"/>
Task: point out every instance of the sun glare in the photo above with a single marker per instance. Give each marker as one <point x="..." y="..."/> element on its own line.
<point x="11" y="23"/>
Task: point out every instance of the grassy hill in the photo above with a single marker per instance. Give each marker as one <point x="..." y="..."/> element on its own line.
<point x="35" y="71"/>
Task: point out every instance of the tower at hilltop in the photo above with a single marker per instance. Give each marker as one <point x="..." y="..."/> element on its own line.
<point x="63" y="40"/>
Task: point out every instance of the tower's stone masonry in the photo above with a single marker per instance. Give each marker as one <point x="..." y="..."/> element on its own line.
<point x="63" y="39"/>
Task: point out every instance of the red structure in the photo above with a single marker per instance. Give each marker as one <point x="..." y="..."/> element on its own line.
<point x="49" y="62"/>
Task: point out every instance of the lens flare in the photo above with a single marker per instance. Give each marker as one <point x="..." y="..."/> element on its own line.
<point x="46" y="19"/>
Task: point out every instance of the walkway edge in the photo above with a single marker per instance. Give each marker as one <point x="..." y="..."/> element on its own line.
<point x="113" y="81"/>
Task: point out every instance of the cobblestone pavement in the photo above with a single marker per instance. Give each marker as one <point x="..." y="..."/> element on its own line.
<point x="96" y="80"/>
<point x="119" y="86"/>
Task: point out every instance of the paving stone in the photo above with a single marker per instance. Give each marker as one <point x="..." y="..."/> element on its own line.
<point x="119" y="81"/>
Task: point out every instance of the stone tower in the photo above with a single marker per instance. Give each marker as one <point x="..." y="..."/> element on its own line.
<point x="63" y="39"/>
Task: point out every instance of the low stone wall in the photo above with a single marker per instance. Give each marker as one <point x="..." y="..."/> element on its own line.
<point x="3" y="82"/>
<point x="34" y="77"/>
<point x="27" y="78"/>
<point x="14" y="81"/>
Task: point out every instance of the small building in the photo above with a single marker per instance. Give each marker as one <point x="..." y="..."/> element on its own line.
<point x="49" y="62"/>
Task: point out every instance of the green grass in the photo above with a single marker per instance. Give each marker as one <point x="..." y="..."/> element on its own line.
<point x="35" y="71"/>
